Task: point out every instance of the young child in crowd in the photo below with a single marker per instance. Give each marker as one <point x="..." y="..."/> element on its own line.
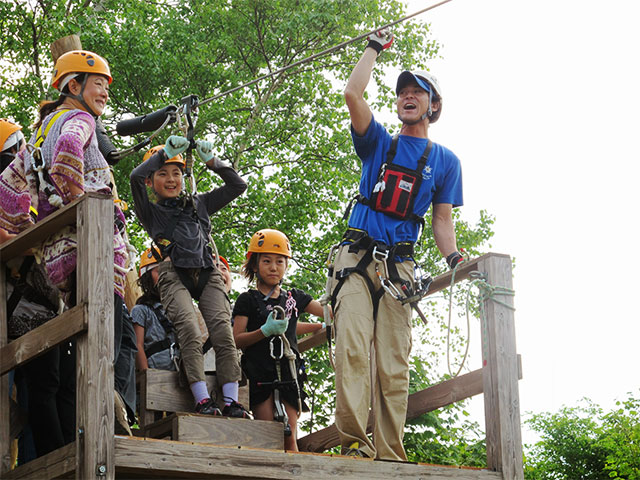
<point x="255" y="325"/>
<point x="179" y="224"/>
<point x="155" y="334"/>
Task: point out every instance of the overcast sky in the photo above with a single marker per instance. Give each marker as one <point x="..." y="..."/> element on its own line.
<point x="541" y="104"/>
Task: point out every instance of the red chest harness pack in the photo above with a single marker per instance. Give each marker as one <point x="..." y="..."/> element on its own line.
<point x="397" y="187"/>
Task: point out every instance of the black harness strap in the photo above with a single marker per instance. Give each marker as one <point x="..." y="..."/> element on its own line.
<point x="165" y="239"/>
<point x="195" y="289"/>
<point x="156" y="347"/>
<point x="263" y="311"/>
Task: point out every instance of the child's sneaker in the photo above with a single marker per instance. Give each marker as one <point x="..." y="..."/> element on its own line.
<point x="208" y="407"/>
<point x="236" y="410"/>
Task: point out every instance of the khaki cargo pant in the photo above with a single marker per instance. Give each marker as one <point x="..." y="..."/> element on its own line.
<point x="216" y="311"/>
<point x="390" y="335"/>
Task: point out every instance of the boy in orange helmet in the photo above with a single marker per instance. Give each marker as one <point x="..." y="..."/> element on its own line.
<point x="180" y="226"/>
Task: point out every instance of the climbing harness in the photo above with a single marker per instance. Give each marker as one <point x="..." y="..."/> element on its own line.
<point x="42" y="179"/>
<point x="166" y="342"/>
<point x="382" y="255"/>
<point x="279" y="349"/>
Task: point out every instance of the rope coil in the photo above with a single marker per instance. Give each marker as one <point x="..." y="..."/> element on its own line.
<point x="486" y="292"/>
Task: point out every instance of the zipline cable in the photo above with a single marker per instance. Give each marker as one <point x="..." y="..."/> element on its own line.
<point x="158" y="120"/>
<point x="321" y="54"/>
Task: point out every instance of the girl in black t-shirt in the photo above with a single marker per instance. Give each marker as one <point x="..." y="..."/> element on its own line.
<point x="255" y="326"/>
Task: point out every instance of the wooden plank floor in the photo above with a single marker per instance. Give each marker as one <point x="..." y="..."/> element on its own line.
<point x="138" y="458"/>
<point x="150" y="458"/>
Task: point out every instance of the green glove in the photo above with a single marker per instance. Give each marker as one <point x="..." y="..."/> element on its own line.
<point x="274" y="326"/>
<point x="205" y="150"/>
<point x="175" y="145"/>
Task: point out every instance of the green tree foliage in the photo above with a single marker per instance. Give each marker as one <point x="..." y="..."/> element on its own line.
<point x="587" y="443"/>
<point x="287" y="135"/>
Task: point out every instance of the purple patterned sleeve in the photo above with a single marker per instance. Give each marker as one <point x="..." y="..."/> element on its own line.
<point x="67" y="166"/>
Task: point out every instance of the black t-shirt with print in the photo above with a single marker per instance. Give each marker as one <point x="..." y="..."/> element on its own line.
<point x="256" y="359"/>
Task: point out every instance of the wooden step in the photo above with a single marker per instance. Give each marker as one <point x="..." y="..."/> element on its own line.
<point x="221" y="431"/>
<point x="160" y="391"/>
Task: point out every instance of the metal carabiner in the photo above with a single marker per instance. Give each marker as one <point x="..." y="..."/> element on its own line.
<point x="379" y="255"/>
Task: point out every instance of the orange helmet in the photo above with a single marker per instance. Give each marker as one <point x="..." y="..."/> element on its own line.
<point x="177" y="159"/>
<point x="79" y="61"/>
<point x="224" y="260"/>
<point x="148" y="260"/>
<point x="269" y="241"/>
<point x="7" y="137"/>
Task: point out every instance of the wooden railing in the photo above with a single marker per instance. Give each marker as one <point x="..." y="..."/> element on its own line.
<point x="497" y="379"/>
<point x="90" y="322"/>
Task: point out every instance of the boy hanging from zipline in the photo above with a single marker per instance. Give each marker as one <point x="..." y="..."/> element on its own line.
<point x="179" y="225"/>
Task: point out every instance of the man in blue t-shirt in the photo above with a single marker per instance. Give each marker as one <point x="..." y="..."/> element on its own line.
<point x="400" y="179"/>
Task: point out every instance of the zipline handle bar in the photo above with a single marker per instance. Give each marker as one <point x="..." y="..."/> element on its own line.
<point x="321" y="54"/>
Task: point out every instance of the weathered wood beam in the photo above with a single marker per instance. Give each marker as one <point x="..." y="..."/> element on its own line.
<point x="432" y="398"/>
<point x="34" y="236"/>
<point x="148" y="458"/>
<point x="56" y="464"/>
<point x="94" y="368"/>
<point x="43" y="338"/>
<point x="64" y="45"/>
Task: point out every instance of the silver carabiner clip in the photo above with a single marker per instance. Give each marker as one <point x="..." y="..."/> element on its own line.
<point x="272" y="348"/>
<point x="379" y="255"/>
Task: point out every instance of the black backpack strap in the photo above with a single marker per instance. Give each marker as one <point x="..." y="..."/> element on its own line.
<point x="156" y="347"/>
<point x="165" y="343"/>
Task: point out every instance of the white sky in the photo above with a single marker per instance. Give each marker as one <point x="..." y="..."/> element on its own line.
<point x="541" y="104"/>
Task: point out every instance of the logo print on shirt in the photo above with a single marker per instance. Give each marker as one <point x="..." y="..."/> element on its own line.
<point x="290" y="306"/>
<point x="426" y="173"/>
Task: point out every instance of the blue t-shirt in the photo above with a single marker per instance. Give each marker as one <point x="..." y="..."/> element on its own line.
<point x="441" y="182"/>
<point x="144" y="316"/>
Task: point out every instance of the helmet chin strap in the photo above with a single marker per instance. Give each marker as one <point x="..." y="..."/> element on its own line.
<point x="80" y="98"/>
<point x="427" y="114"/>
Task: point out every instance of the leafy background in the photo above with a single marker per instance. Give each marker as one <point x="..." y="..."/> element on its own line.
<point x="287" y="135"/>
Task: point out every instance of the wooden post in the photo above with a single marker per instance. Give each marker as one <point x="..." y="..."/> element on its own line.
<point x="500" y="374"/>
<point x="5" y="437"/>
<point x="63" y="45"/>
<point x="95" y="454"/>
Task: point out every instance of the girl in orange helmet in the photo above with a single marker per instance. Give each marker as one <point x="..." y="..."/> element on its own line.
<point x="254" y="327"/>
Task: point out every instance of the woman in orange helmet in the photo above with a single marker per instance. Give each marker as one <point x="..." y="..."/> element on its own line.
<point x="65" y="150"/>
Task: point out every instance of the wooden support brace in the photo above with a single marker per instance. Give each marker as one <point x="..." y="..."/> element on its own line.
<point x="501" y="372"/>
<point x="5" y="436"/>
<point x="95" y="457"/>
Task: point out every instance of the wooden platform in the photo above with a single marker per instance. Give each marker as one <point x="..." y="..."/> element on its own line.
<point x="148" y="458"/>
<point x="99" y="455"/>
